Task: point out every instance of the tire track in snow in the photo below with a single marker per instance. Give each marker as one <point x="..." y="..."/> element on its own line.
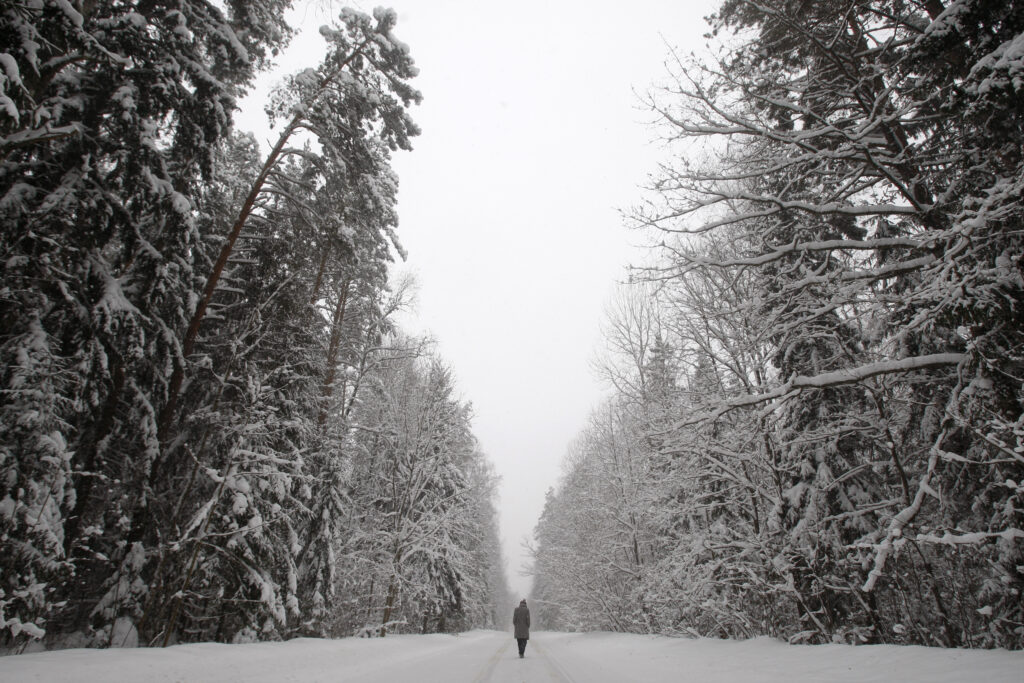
<point x="488" y="670"/>
<point x="558" y="673"/>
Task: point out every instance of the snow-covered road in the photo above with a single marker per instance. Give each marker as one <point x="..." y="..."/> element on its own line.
<point x="490" y="657"/>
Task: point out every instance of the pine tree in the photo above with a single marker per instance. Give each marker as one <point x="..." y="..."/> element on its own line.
<point x="110" y="118"/>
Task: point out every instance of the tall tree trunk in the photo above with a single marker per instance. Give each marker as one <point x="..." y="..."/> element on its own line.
<point x="86" y="476"/>
<point x="389" y="605"/>
<point x="333" y="348"/>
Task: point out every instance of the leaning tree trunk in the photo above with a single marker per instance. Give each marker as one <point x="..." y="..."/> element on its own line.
<point x="188" y="343"/>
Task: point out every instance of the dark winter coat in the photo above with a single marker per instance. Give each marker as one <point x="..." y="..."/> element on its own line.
<point x="521" y="620"/>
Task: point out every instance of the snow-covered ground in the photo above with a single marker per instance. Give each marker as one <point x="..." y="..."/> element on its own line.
<point x="482" y="656"/>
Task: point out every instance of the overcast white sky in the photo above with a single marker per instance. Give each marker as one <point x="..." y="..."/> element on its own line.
<point x="533" y="140"/>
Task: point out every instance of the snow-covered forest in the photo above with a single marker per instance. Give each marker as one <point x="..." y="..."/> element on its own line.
<point x="816" y="430"/>
<point x="210" y="426"/>
<point x="214" y="428"/>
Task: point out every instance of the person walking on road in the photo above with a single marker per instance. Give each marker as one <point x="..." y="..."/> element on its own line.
<point x="521" y="621"/>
